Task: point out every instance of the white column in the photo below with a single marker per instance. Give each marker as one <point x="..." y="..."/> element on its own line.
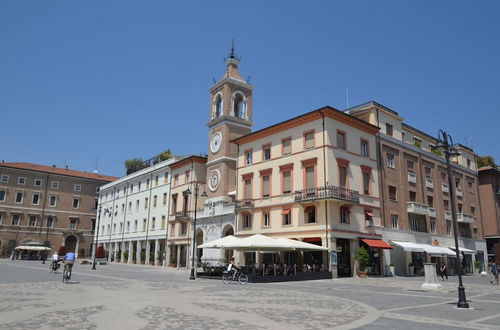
<point x="157" y="249"/>
<point x="138" y="253"/>
<point x="130" y="251"/>
<point x="122" y="251"/>
<point x="77" y="247"/>
<point x="148" y="251"/>
<point x="178" y="256"/>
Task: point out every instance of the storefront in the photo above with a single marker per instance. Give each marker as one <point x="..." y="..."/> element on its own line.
<point x="409" y="257"/>
<point x="374" y="248"/>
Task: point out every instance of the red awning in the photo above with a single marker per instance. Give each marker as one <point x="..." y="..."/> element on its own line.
<point x="376" y="243"/>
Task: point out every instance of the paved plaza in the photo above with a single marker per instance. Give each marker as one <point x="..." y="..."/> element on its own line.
<point x="119" y="296"/>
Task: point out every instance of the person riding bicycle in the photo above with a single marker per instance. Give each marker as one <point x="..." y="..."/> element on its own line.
<point x="233" y="268"/>
<point x="54" y="260"/>
<point x="69" y="260"/>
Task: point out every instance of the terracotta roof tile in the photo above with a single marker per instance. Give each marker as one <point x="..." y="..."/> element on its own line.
<point x="60" y="171"/>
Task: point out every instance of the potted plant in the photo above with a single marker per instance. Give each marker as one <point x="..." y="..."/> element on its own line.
<point x="362" y="257"/>
<point x="125" y="256"/>
<point x="161" y="254"/>
<point x="151" y="259"/>
<point x="477" y="266"/>
<point x="143" y="256"/>
<point x="173" y="261"/>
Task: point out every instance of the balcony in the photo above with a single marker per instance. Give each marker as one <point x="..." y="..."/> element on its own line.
<point x="429" y="183"/>
<point x="432" y="212"/>
<point x="244" y="204"/>
<point x="417" y="208"/>
<point x="465" y="218"/>
<point x="459" y="192"/>
<point x="445" y="188"/>
<point x="325" y="193"/>
<point x="412" y="177"/>
<point x="447" y="215"/>
<point x="182" y="215"/>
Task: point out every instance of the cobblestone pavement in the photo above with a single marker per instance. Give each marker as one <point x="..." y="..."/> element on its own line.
<point x="143" y="297"/>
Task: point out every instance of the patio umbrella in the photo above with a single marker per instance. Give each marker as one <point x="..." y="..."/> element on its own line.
<point x="221" y="243"/>
<point x="299" y="245"/>
<point x="32" y="248"/>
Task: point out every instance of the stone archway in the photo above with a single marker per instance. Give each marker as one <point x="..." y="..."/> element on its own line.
<point x="70" y="243"/>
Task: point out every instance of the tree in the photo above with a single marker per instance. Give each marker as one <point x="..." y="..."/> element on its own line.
<point x="134" y="165"/>
<point x="362" y="257"/>
<point x="486" y="161"/>
<point x="164" y="155"/>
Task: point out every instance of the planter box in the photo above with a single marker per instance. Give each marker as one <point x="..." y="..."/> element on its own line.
<point x="362" y="274"/>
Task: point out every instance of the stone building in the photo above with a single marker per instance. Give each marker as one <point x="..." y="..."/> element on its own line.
<point x="48" y="204"/>
<point x="489" y="190"/>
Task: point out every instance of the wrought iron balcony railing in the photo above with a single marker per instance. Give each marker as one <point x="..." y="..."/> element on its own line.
<point x="328" y="192"/>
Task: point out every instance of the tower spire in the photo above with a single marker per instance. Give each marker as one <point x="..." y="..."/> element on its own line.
<point x="232" y="53"/>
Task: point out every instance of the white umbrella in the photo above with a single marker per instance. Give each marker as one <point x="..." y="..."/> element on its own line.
<point x="32" y="248"/>
<point x="221" y="243"/>
<point x="262" y="242"/>
<point x="299" y="245"/>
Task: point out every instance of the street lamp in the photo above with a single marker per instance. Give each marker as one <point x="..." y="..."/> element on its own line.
<point x="445" y="142"/>
<point x="97" y="234"/>
<point x="204" y="194"/>
<point x="46" y="241"/>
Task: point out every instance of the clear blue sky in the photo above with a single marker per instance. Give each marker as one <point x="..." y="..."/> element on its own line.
<point x="107" y="80"/>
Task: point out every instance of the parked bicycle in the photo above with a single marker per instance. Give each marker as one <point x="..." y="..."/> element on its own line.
<point x="228" y="277"/>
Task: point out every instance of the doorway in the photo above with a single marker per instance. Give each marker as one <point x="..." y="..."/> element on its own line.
<point x="343" y="257"/>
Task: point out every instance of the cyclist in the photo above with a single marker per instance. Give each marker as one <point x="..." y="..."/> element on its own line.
<point x="54" y="260"/>
<point x="233" y="268"/>
<point x="69" y="260"/>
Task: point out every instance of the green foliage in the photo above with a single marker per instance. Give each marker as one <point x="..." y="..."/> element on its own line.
<point x="118" y="255"/>
<point x="125" y="255"/>
<point x="161" y="254"/>
<point x="164" y="155"/>
<point x="134" y="165"/>
<point x="143" y="255"/>
<point x="362" y="257"/>
<point x="417" y="144"/>
<point x="437" y="152"/>
<point x="151" y="257"/>
<point x="486" y="161"/>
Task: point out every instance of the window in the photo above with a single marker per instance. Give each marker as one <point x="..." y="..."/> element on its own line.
<point x="266" y="152"/>
<point x="139" y="186"/>
<point x="341" y="142"/>
<point x="394" y="221"/>
<point x="364" y="148"/>
<point x="156" y="180"/>
<point x="183" y="228"/>
<point x="4" y="178"/>
<point x="78" y="187"/>
<point x="38" y="182"/>
<point x="448" y="227"/>
<point x="165" y="178"/>
<point x="472" y="210"/>
<point x="430" y="201"/>
<point x="130" y="206"/>
<point x="96" y="203"/>
<point x="147" y="183"/>
<point x="15" y="220"/>
<point x="35" y="199"/>
<point x="446" y="205"/>
<point x="146" y="202"/>
<point x="390" y="160"/>
<point x="392" y="193"/>
<point x="413" y="196"/>
<point x="97" y="189"/>
<point x="417" y="142"/>
<point x="144" y="223"/>
<point x="186" y="176"/>
<point x="155" y="200"/>
<point x="388" y="129"/>
<point x="443" y="177"/>
<point x="433" y="227"/>
<point x="247" y="220"/>
<point x="55" y="185"/>
<point x="135" y="225"/>
<point x="344" y="215"/>
<point x="309" y="140"/>
<point x="409" y="164"/>
<point x="248" y="189"/>
<point x="32" y="221"/>
<point x="164" y="201"/>
<point x="137" y="205"/>
<point x="287" y="217"/>
<point x="122" y="209"/>
<point x="403" y="135"/>
<point x="76" y="202"/>
<point x="21" y="180"/>
<point x="50" y="222"/>
<point x="19" y="197"/>
<point x="428" y="173"/>
<point x="287" y="182"/>
<point x="414" y="224"/>
<point x="73" y="224"/>
<point x="172" y="229"/>
<point x="469" y="184"/>
<point x="52" y="200"/>
<point x="460" y="208"/>
<point x="163" y="220"/>
<point x="176" y="180"/>
<point x="128" y="226"/>
<point x="153" y="222"/>
<point x="265" y="185"/>
<point x="174" y="203"/>
<point x="310" y="214"/>
<point x="121" y="227"/>
<point x="248" y="157"/>
<point x="343" y="176"/>
<point x="2" y="195"/>
<point x="368" y="218"/>
<point x="366" y="183"/>
<point x="287" y="146"/>
<point x="267" y="219"/>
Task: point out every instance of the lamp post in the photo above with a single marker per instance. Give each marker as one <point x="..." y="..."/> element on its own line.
<point x="97" y="234"/>
<point x="204" y="194"/>
<point x="445" y="142"/>
<point x="46" y="242"/>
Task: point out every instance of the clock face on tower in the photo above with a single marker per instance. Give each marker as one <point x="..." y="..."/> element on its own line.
<point x="214" y="180"/>
<point x="215" y="142"/>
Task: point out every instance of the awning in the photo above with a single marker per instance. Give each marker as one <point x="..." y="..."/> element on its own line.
<point x="376" y="243"/>
<point x="428" y="248"/>
<point x="464" y="250"/>
<point x="32" y="248"/>
<point x="410" y="247"/>
<point x="435" y="249"/>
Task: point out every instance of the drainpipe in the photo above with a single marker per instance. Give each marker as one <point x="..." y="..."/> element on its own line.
<point x="381" y="172"/>
<point x="324" y="178"/>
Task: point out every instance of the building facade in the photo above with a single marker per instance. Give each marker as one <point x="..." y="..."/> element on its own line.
<point x="47" y="204"/>
<point x="133" y="217"/>
<point x="489" y="190"/>
<point x="416" y="195"/>
<point x="313" y="178"/>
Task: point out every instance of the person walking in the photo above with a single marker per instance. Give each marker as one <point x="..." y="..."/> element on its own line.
<point x="444" y="271"/>
<point x="494" y="271"/>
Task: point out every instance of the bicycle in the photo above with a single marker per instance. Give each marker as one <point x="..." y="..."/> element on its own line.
<point x="67" y="274"/>
<point x="228" y="277"/>
<point x="54" y="266"/>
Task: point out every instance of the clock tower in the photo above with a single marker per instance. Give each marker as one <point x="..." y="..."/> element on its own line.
<point x="230" y="116"/>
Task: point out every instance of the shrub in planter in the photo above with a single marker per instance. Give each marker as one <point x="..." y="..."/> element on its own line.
<point x="125" y="255"/>
<point x="143" y="256"/>
<point x="362" y="257"/>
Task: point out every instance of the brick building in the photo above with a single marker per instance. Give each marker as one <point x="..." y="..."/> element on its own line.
<point x="489" y="190"/>
<point x="46" y="203"/>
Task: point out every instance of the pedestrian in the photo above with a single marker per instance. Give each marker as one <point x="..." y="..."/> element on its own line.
<point x="494" y="271"/>
<point x="444" y="271"/>
<point x="13" y="255"/>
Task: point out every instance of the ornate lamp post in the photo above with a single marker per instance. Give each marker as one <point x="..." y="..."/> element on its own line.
<point x="97" y="233"/>
<point x="204" y="194"/>
<point x="445" y="142"/>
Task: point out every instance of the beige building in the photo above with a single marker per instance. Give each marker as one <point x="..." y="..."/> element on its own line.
<point x="489" y="189"/>
<point x="416" y="195"/>
<point x="45" y="203"/>
<point x="313" y="178"/>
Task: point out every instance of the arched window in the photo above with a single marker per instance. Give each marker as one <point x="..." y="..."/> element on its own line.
<point x="218" y="106"/>
<point x="239" y="106"/>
